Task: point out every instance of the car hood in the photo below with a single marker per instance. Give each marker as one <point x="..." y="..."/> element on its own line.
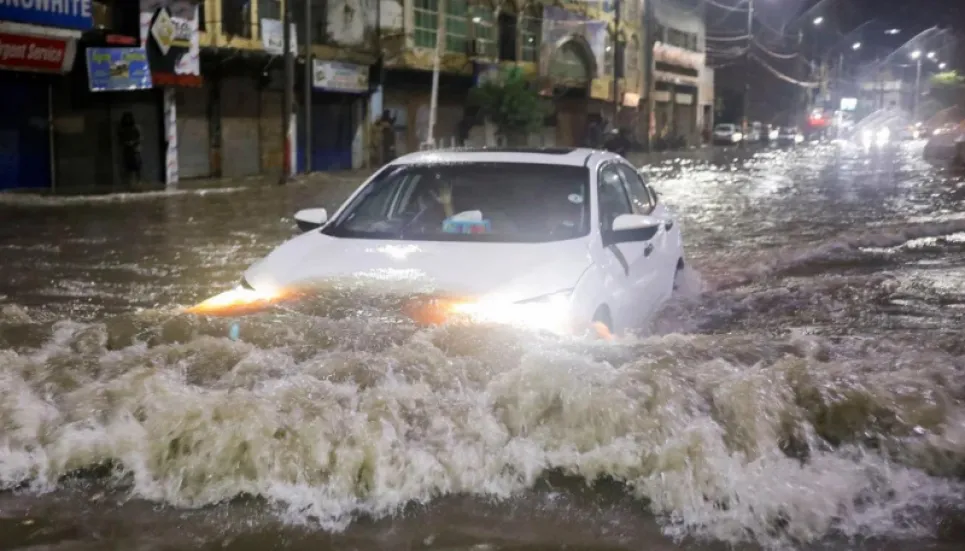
<point x="514" y="271"/>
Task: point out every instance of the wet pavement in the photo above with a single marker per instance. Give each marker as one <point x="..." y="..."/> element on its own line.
<point x="805" y="390"/>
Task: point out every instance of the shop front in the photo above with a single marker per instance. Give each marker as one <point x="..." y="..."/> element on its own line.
<point x="38" y="47"/>
<point x="338" y="105"/>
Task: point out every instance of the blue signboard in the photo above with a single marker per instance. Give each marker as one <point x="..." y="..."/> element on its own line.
<point x="118" y="69"/>
<point x="66" y="14"/>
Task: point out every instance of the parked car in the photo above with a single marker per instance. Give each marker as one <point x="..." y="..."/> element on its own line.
<point x="727" y="134"/>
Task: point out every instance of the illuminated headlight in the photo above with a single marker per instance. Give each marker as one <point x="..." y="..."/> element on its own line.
<point x="938" y="132"/>
<point x="548" y="312"/>
<point x="798" y="138"/>
<point x="737" y="136"/>
<point x="882" y="137"/>
<point x="239" y="301"/>
<point x="866" y="137"/>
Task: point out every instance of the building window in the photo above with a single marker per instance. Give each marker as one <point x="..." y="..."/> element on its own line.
<point x="457" y="27"/>
<point x="530" y="31"/>
<point x="236" y="17"/>
<point x="426" y="14"/>
<point x="506" y="23"/>
<point x="484" y="27"/>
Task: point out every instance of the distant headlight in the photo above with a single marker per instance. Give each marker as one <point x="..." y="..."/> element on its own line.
<point x="737" y="136"/>
<point x="866" y="137"/>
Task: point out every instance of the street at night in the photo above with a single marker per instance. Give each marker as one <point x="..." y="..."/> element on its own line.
<point x="804" y="387"/>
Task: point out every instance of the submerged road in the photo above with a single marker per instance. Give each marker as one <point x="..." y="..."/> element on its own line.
<point x="805" y="390"/>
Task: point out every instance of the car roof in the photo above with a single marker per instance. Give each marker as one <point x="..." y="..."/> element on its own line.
<point x="560" y="156"/>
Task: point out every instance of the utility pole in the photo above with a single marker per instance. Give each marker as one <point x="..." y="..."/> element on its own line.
<point x="434" y="97"/>
<point x="617" y="62"/>
<point x="648" y="73"/>
<point x="289" y="91"/>
<point x="309" y="82"/>
<point x="747" y="69"/>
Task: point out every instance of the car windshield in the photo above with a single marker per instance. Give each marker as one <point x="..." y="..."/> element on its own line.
<point x="725" y="127"/>
<point x="487" y="202"/>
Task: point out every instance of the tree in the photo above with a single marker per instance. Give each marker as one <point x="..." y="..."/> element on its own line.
<point x="948" y="89"/>
<point x="512" y="103"/>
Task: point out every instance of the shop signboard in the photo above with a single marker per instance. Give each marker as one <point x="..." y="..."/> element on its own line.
<point x="337" y="76"/>
<point x="36" y="53"/>
<point x="65" y="14"/>
<point x="112" y="69"/>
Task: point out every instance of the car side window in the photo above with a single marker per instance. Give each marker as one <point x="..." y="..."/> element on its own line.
<point x="611" y="197"/>
<point x="639" y="194"/>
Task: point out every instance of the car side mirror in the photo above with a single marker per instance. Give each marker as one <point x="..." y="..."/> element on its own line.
<point x="310" y="219"/>
<point x="632" y="227"/>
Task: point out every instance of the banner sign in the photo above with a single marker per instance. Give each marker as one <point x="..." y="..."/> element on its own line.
<point x="273" y="38"/>
<point x="118" y="69"/>
<point x="36" y="53"/>
<point x="337" y="76"/>
<point x="169" y="35"/>
<point x="66" y="14"/>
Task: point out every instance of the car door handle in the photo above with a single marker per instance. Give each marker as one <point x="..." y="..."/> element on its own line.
<point x="648" y="249"/>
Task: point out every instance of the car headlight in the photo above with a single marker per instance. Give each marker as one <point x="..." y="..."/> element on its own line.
<point x="242" y="300"/>
<point x="866" y="137"/>
<point x="547" y="312"/>
<point x="882" y="137"/>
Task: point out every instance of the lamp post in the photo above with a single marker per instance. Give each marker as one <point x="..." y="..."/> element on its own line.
<point x="916" y="55"/>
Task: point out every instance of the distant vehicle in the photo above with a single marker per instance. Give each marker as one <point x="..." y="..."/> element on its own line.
<point x="755" y="133"/>
<point x="727" y="134"/>
<point x="789" y="135"/>
<point x="559" y="240"/>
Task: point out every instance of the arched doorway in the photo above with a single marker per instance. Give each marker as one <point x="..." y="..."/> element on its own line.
<point x="570" y="70"/>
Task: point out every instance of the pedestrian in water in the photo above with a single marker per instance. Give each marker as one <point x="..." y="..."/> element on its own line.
<point x="129" y="136"/>
<point x="386" y="125"/>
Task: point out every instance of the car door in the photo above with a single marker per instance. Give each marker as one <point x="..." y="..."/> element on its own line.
<point x="630" y="272"/>
<point x="642" y="201"/>
<point x="672" y="251"/>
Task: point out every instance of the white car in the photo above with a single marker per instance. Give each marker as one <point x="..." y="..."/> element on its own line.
<point x="566" y="240"/>
<point x="727" y="133"/>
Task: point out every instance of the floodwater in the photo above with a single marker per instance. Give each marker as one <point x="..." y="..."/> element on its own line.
<point x="805" y="390"/>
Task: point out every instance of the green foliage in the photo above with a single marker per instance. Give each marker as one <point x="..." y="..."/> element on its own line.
<point x="948" y="88"/>
<point x="512" y="103"/>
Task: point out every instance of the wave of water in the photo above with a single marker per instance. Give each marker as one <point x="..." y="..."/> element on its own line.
<point x="328" y="417"/>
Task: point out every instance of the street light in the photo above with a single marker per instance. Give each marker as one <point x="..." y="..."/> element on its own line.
<point x="931" y="55"/>
<point x="856" y="46"/>
<point x="818" y="20"/>
<point x="942" y="65"/>
<point x="893" y="31"/>
<point x="916" y="54"/>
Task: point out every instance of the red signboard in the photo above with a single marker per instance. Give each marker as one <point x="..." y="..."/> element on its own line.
<point x="35" y="53"/>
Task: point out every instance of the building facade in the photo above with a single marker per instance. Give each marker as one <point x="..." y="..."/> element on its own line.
<point x="201" y="80"/>
<point x="566" y="47"/>
<point x="683" y="84"/>
<point x="38" y="49"/>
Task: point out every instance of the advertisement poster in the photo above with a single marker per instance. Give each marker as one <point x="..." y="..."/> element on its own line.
<point x="169" y="35"/>
<point x="118" y="69"/>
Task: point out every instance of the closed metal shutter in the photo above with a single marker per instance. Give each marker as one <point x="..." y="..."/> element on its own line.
<point x="193" y="143"/>
<point x="240" y="155"/>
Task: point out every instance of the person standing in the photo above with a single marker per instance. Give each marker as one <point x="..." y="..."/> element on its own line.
<point x="386" y="125"/>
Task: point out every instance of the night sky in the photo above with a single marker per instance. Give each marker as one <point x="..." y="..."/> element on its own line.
<point x="785" y="27"/>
